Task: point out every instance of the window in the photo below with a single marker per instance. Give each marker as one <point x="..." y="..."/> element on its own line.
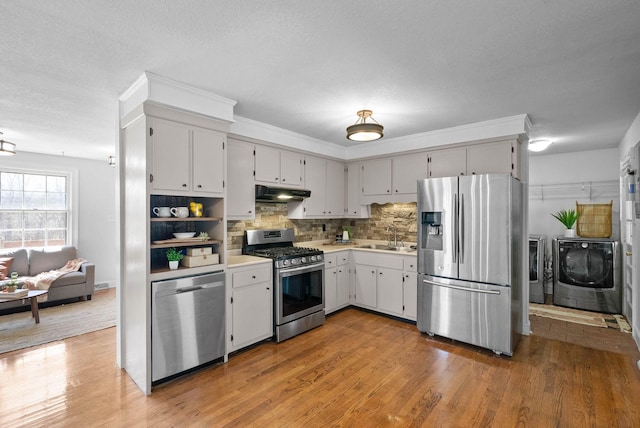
<point x="34" y="209"/>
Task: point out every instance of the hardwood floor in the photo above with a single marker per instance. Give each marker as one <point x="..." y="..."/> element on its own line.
<point x="359" y="369"/>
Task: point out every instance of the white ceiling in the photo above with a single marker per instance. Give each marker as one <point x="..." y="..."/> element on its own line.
<point x="308" y="66"/>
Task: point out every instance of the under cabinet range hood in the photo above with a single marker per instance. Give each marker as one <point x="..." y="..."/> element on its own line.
<point x="278" y="194"/>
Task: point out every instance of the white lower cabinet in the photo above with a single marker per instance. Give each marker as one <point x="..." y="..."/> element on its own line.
<point x="336" y="281"/>
<point x="410" y="288"/>
<point x="250" y="305"/>
<point x="365" y="286"/>
<point x="386" y="283"/>
<point x="389" y="291"/>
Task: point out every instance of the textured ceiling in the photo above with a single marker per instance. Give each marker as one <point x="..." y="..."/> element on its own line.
<point x="308" y="66"/>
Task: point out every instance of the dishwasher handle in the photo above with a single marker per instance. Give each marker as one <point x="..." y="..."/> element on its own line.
<point x="188" y="289"/>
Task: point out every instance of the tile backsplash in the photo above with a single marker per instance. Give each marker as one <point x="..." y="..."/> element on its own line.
<point x="274" y="216"/>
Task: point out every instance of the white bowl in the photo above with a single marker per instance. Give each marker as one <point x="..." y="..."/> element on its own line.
<point x="184" y="235"/>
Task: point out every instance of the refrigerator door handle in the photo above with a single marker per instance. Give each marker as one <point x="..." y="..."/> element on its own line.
<point x="454" y="235"/>
<point x="461" y="229"/>
<point x="456" y="287"/>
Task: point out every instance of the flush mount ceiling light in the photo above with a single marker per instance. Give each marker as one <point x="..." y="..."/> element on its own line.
<point x="539" y="145"/>
<point x="363" y="131"/>
<point x="6" y="148"/>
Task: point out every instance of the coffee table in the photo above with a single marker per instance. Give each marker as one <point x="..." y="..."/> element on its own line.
<point x="33" y="295"/>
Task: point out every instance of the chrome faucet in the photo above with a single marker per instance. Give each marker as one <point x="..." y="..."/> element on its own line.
<point x="395" y="235"/>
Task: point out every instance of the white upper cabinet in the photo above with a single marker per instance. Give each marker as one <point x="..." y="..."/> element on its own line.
<point x="491" y="158"/>
<point x="447" y="162"/>
<point x="315" y="176"/>
<point x="186" y="158"/>
<point x="407" y="170"/>
<point x="353" y="208"/>
<point x="208" y="160"/>
<point x="392" y="179"/>
<point x="482" y="158"/>
<point x="241" y="202"/>
<point x="291" y="168"/>
<point x="376" y="177"/>
<point x="171" y="155"/>
<point x="335" y="188"/>
<point x="273" y="166"/>
<point x="325" y="179"/>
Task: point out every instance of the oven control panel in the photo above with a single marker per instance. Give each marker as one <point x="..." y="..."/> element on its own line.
<point x="299" y="261"/>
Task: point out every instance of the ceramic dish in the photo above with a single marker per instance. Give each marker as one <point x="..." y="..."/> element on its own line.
<point x="184" y="235"/>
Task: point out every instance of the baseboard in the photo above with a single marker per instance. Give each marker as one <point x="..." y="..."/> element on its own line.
<point x="104" y="285"/>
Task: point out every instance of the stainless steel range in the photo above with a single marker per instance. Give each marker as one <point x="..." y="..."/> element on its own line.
<point x="298" y="278"/>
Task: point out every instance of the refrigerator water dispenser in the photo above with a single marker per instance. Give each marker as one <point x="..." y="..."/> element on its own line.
<point x="432" y="230"/>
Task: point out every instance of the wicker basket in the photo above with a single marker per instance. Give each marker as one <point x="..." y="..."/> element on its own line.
<point x="594" y="220"/>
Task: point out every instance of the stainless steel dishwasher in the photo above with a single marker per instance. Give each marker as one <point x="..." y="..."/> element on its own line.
<point x="187" y="327"/>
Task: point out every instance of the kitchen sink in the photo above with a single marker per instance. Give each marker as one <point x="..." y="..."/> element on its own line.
<point x="385" y="247"/>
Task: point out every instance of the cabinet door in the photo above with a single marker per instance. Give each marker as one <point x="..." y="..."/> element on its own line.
<point x="376" y="177"/>
<point x="241" y="200"/>
<point x="252" y="314"/>
<point x="208" y="161"/>
<point x="448" y="162"/>
<point x="365" y="286"/>
<point x="267" y="164"/>
<point x="407" y="170"/>
<point x="343" y="286"/>
<point x="171" y="154"/>
<point x="334" y="189"/>
<point x="410" y="295"/>
<point x="291" y="168"/>
<point x="389" y="290"/>
<point x="353" y="189"/>
<point x="330" y="289"/>
<point x="316" y="180"/>
<point x="490" y="158"/>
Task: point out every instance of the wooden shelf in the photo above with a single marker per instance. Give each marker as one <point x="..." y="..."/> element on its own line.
<point x="173" y="219"/>
<point x="186" y="244"/>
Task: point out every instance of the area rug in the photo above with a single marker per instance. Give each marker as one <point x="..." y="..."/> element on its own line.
<point x="18" y="331"/>
<point x="594" y="319"/>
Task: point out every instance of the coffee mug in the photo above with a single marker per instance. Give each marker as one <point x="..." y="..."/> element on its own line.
<point x="162" y="211"/>
<point x="181" y="212"/>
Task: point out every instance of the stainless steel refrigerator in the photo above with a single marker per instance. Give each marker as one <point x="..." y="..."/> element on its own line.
<point x="470" y="243"/>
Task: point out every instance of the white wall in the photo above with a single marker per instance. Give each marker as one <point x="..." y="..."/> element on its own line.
<point x="93" y="196"/>
<point x="556" y="183"/>
<point x="631" y="138"/>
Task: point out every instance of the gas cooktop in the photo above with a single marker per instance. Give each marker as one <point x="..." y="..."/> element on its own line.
<point x="277" y="244"/>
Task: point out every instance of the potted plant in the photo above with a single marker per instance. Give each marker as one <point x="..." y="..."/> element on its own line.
<point x="13" y="283"/>
<point x="568" y="218"/>
<point x="174" y="256"/>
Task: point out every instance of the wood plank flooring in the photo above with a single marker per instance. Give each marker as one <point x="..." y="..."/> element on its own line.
<point x="358" y="370"/>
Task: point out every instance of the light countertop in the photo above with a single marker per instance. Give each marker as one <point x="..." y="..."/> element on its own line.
<point x="244" y="260"/>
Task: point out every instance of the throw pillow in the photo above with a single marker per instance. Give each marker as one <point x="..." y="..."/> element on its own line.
<point x="5" y="265"/>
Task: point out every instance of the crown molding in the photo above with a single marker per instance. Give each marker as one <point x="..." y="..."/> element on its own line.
<point x="243" y="127"/>
<point x="161" y="90"/>
<point x="490" y="129"/>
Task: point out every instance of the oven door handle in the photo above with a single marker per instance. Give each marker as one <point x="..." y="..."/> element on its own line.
<point x="301" y="268"/>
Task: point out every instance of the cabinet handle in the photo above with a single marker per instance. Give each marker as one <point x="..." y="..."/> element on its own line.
<point x="284" y="179"/>
<point x="396" y="190"/>
<point x="199" y="186"/>
<point x="268" y="288"/>
<point x="184" y="185"/>
<point x="253" y="276"/>
<point x="249" y="211"/>
<point x="388" y="191"/>
<point x="276" y="178"/>
<point x="380" y="273"/>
